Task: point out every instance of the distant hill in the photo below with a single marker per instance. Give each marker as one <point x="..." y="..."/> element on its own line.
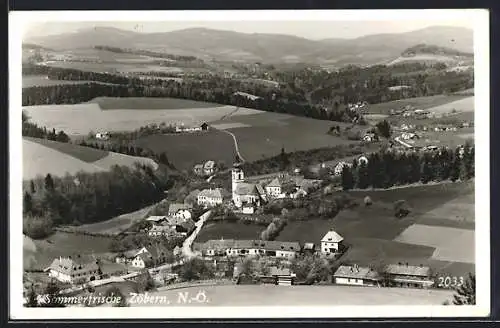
<point x="425" y="53"/>
<point x="230" y="45"/>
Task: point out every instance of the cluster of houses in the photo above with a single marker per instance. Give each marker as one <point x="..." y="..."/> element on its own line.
<point x="331" y="244"/>
<point x="246" y="95"/>
<point x="178" y="222"/>
<point x="102" y="135"/>
<point x="339" y="166"/>
<point x="205" y="169"/>
<point x="394" y="275"/>
<point x="80" y="269"/>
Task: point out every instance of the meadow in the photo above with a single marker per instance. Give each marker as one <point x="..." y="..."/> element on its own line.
<point x="187" y="149"/>
<point x="138" y="103"/>
<point x="421" y="103"/>
<point x="80" y="119"/>
<point x="263" y="135"/>
<point x="122" y="66"/>
<point x="229" y="230"/>
<point x="42" y="156"/>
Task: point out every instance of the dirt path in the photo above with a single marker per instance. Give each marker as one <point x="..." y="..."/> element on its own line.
<point x="235" y="144"/>
<point x="186" y="245"/>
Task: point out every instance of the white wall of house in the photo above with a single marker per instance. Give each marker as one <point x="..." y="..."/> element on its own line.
<point x="63" y="277"/>
<point x="248" y="210"/>
<point x="327" y="246"/>
<point x="182" y="214"/>
<point x="285" y="254"/>
<point x="273" y="191"/>
<point x="138" y="263"/>
<point x="209" y="201"/>
<point x="349" y="281"/>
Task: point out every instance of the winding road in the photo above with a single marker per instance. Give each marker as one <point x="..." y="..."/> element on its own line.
<point x="235" y="144"/>
<point x="186" y="245"/>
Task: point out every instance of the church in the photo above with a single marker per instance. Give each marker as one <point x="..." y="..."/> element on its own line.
<point x="244" y="193"/>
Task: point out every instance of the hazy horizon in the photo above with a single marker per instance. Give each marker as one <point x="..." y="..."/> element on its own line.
<point x="314" y="30"/>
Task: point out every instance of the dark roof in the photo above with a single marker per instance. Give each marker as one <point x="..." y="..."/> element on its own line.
<point x="255" y="244"/>
<point x="408" y="270"/>
<point x="347" y="271"/>
<point x="176" y="207"/>
<point x="246" y="189"/>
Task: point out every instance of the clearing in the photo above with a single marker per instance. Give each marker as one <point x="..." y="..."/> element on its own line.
<point x="82" y="153"/>
<point x="43" y="81"/>
<point x="271" y="295"/>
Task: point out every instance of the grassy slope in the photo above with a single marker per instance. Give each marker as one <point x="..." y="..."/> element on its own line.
<point x="85" y="154"/>
<point x="418" y="103"/>
<point x="186" y="150"/>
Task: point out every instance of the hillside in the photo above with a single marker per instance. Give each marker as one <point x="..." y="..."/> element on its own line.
<point x="42" y="156"/>
<point x="228" y="45"/>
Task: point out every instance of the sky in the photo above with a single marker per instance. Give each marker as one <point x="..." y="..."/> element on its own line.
<point x="308" y="29"/>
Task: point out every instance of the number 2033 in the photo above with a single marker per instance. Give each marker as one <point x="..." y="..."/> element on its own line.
<point x="450" y="282"/>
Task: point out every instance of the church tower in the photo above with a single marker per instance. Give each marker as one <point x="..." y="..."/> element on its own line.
<point x="237" y="176"/>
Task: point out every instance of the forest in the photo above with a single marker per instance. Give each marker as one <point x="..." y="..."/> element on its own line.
<point x="386" y="169"/>
<point x="30" y="129"/>
<point x="316" y="94"/>
<point x="89" y="197"/>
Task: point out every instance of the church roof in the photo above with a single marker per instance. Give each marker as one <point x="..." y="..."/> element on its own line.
<point x="246" y="189"/>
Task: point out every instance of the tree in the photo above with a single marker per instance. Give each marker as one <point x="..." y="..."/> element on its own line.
<point x="466" y="293"/>
<point x="347" y="178"/>
<point x="363" y="180"/>
<point x="52" y="292"/>
<point x="384" y="129"/>
<point x="117" y="293"/>
<point x="32" y="297"/>
<point x="49" y="182"/>
<point x="27" y="203"/>
<point x="284" y="159"/>
<point x="145" y="281"/>
<point x="32" y="187"/>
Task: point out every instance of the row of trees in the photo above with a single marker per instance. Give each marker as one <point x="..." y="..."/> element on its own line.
<point x="387" y="169"/>
<point x="89" y="197"/>
<point x="273" y="229"/>
<point x="30" y="129"/>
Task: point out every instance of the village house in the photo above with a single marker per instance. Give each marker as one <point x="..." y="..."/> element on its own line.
<point x="102" y="136"/>
<point x="128" y="256"/>
<point x="231" y="247"/>
<point x="337" y="170"/>
<point x="357" y="276"/>
<point x="74" y="270"/>
<point x="362" y="160"/>
<point x="154" y="256"/>
<point x="161" y="231"/>
<point x="404" y="275"/>
<point x="209" y="167"/>
<point x="245" y="193"/>
<point x="332" y="243"/>
<point x="409" y="136"/>
<point x="210" y="197"/>
<point x="180" y="211"/>
<point x="198" y="169"/>
<point x="157" y="219"/>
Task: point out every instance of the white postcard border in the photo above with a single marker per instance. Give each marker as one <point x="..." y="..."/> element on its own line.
<point x="480" y="17"/>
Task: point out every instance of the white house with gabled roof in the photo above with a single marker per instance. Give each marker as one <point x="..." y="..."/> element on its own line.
<point x="331" y="243"/>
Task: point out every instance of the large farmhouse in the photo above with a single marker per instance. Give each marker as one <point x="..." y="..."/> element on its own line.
<point x="355" y="275"/>
<point x="332" y="243"/>
<point x="404" y="275"/>
<point x="231" y="247"/>
<point x="74" y="270"/>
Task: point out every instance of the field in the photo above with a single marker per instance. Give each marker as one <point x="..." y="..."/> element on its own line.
<point x="138" y="103"/>
<point x="447" y="138"/>
<point x="271" y="295"/>
<point x="451" y="244"/>
<point x="122" y="66"/>
<point x="186" y="150"/>
<point x="81" y="119"/>
<point x="38" y="254"/>
<point x="264" y="134"/>
<point x="43" y="156"/>
<point x="229" y="230"/>
<point x="377" y="237"/>
<point x="419" y="103"/>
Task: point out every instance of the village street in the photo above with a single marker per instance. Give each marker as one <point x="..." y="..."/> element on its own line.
<point x="186" y="245"/>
